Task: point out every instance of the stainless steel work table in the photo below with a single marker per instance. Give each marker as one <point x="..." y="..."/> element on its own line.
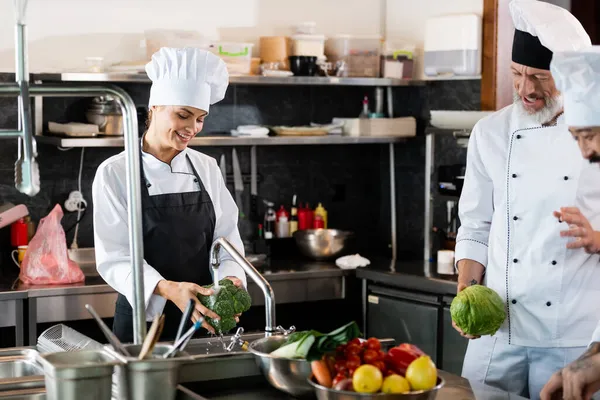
<point x="11" y="309"/>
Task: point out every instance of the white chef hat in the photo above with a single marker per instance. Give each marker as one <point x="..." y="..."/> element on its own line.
<point x="542" y="28"/>
<point x="186" y="77"/>
<point x="577" y="76"/>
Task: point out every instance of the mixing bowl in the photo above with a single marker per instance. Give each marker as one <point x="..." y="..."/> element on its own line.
<point x="324" y="393"/>
<point x="323" y="244"/>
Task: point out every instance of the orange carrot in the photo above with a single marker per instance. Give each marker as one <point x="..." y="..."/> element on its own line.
<point x="321" y="373"/>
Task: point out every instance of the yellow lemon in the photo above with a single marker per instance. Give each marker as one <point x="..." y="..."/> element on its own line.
<point x="367" y="379"/>
<point x="422" y="374"/>
<point x="395" y="384"/>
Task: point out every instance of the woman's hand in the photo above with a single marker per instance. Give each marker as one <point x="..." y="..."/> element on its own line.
<point x="579" y="228"/>
<point x="181" y="292"/>
<point x="237" y="282"/>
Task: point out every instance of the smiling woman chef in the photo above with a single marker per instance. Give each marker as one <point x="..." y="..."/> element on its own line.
<point x="522" y="165"/>
<point x="185" y="202"/>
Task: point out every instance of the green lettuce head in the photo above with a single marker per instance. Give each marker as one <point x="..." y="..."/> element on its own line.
<point x="478" y="311"/>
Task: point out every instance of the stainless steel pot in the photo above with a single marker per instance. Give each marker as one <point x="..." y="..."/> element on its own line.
<point x="106" y="113"/>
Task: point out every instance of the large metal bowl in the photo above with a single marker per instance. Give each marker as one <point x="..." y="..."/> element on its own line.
<point x="324" y="393"/>
<point x="288" y="375"/>
<point x="322" y="244"/>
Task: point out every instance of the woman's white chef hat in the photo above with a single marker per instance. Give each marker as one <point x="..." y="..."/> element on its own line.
<point x="541" y="29"/>
<point x="186" y="77"/>
<point x="577" y="76"/>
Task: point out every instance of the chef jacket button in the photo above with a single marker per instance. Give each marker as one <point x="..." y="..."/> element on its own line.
<point x="553" y="262"/>
<point x="566" y="178"/>
<point x="515" y="218"/>
<point x="515" y="260"/>
<point x="519" y="136"/>
<point x="148" y="184"/>
<point x="196" y="180"/>
<point x="514" y="301"/>
<point x="548" y="303"/>
<point x="514" y="175"/>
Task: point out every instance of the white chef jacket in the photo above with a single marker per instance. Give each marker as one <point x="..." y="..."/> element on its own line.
<point x="517" y="174"/>
<point x="111" y="240"/>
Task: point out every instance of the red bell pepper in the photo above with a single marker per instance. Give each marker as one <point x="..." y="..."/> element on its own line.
<point x="399" y="358"/>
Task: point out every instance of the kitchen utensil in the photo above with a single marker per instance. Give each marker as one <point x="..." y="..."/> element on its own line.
<point x="60" y="337"/>
<point x="324" y="393"/>
<point x="223" y="167"/>
<point x="152" y="336"/>
<point x="184" y="339"/>
<point x="253" y="186"/>
<point x="10" y="213"/>
<point x="323" y="244"/>
<point x="238" y="183"/>
<point x="288" y="375"/>
<point x="303" y="65"/>
<point x="105" y="112"/>
<point x="78" y="375"/>
<point x="185" y="318"/>
<point x="112" y="339"/>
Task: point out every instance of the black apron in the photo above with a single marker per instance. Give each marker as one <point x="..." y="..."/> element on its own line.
<point x="178" y="232"/>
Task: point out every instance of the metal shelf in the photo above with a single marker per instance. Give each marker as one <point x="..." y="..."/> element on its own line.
<point x="226" y="141"/>
<point x="244" y="80"/>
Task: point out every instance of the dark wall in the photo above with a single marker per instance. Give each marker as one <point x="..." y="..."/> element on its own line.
<point x="351" y="181"/>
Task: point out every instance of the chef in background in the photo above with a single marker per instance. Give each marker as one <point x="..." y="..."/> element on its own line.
<point x="577" y="76"/>
<point x="185" y="202"/>
<point x="522" y="165"/>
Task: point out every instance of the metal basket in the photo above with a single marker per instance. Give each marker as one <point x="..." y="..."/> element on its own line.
<point x="62" y="338"/>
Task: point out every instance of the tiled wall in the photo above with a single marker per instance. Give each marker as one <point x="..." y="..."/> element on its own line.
<point x="352" y="181"/>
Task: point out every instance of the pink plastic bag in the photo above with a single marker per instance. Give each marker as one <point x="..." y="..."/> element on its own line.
<point x="46" y="260"/>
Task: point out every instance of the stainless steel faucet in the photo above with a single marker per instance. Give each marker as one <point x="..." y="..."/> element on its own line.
<point x="254" y="275"/>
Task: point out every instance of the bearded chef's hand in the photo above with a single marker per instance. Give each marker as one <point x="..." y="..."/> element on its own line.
<point x="470" y="273"/>
<point x="580" y="228"/>
<point x="578" y="380"/>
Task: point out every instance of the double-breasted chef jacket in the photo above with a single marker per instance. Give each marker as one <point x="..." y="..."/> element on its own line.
<point x="110" y="217"/>
<point x="517" y="174"/>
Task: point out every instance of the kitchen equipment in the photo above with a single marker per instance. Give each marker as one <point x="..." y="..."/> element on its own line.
<point x="324" y="393"/>
<point x="308" y="45"/>
<point x="237" y="56"/>
<point x="238" y="182"/>
<point x="303" y="65"/>
<point x="183" y="340"/>
<point x="105" y="112"/>
<point x="361" y="54"/>
<point x="323" y="244"/>
<point x="300" y="131"/>
<point x="273" y="49"/>
<point x="398" y="62"/>
<point x="223" y="167"/>
<point x="288" y="375"/>
<point x="451" y="179"/>
<point x="445" y="119"/>
<point x="453" y="45"/>
<point x="152" y="336"/>
<point x="18" y="254"/>
<point x="185" y="317"/>
<point x="10" y="213"/>
<point x="74" y="129"/>
<point x="253" y="186"/>
<point x="60" y="337"/>
<point x="112" y="339"/>
<point x="78" y="374"/>
<point x="388" y="127"/>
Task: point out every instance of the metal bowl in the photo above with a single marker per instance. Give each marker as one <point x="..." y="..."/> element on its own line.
<point x="322" y="244"/>
<point x="288" y="375"/>
<point x="324" y="393"/>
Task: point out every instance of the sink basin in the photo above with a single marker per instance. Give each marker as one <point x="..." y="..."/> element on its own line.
<point x="214" y="346"/>
<point x="19" y="369"/>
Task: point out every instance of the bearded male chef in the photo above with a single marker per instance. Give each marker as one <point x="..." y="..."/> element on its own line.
<point x="577" y="76"/>
<point x="522" y="165"/>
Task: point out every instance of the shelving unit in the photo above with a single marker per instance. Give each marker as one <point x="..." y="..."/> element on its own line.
<point x="226" y="141"/>
<point x="141" y="77"/>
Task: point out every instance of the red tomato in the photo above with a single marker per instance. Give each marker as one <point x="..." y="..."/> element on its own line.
<point x="338" y="378"/>
<point x="354" y="341"/>
<point x="353" y="350"/>
<point x="353" y="363"/>
<point x="373" y="344"/>
<point x="341" y="348"/>
<point x="370" y="356"/>
<point x="340" y="366"/>
<point x="380" y="365"/>
<point x="381" y="355"/>
<point x="351" y="373"/>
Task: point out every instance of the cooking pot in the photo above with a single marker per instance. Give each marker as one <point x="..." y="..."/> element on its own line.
<point x="105" y="112"/>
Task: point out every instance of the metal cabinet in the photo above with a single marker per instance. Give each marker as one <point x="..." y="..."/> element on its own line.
<point x="454" y="346"/>
<point x="405" y="317"/>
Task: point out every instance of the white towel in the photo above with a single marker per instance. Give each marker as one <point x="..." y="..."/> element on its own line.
<point x="352" y="262"/>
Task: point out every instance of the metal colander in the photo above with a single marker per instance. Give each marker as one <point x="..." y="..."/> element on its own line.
<point x="62" y="338"/>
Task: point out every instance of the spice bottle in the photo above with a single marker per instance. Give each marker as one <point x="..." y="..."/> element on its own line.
<point x="322" y="212"/>
<point x="282" y="214"/>
<point x="269" y="228"/>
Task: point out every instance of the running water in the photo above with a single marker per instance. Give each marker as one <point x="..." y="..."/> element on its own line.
<point x="216" y="278"/>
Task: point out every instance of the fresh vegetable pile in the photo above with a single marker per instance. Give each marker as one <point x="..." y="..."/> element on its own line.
<point x="312" y="345"/>
<point x="361" y="366"/>
<point x="478" y="310"/>
<point x="228" y="301"/>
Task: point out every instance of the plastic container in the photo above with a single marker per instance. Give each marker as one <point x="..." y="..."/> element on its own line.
<point x="308" y="45"/>
<point x="237" y="56"/>
<point x="361" y="54"/>
<point x="398" y="62"/>
<point x="321" y="213"/>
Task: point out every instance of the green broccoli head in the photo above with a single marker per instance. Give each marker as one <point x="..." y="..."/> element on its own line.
<point x="226" y="303"/>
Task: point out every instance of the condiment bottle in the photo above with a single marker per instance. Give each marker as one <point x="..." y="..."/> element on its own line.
<point x="283" y="227"/>
<point x="293" y="217"/>
<point x="322" y="212"/>
<point x="19" y="235"/>
<point x="282" y="213"/>
<point x="318" y="222"/>
<point x="269" y="221"/>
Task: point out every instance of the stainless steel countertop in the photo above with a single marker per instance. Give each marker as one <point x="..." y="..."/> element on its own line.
<point x="278" y="271"/>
